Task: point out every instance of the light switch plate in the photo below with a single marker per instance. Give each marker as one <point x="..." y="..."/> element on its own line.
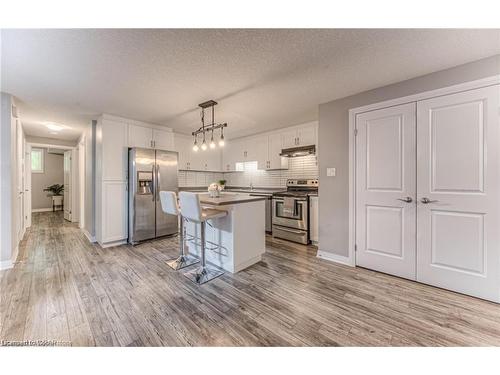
<point x="330" y="172"/>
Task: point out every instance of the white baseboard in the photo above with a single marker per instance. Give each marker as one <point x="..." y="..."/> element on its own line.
<point x="335" y="258"/>
<point x="89" y="237"/>
<point x="6" y="264"/>
<point x="113" y="243"/>
<point x="41" y="209"/>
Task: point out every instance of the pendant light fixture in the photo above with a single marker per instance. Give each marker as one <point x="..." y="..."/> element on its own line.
<point x="208" y="128"/>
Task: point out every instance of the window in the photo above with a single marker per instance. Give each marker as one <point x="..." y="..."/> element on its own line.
<point x="36" y="160"/>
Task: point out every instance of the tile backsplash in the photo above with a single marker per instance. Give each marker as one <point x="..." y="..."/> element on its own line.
<point x="299" y="167"/>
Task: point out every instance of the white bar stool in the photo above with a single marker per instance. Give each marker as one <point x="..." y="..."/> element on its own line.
<point x="192" y="210"/>
<point x="169" y="205"/>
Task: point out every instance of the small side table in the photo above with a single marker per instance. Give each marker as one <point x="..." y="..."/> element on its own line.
<point x="57" y="201"/>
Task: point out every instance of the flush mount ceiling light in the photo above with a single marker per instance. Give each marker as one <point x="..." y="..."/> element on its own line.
<point x="208" y="128"/>
<point x="54" y="127"/>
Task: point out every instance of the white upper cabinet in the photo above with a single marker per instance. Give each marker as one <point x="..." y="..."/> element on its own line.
<point x="304" y="135"/>
<point x="231" y="154"/>
<point x="275" y="146"/>
<point x="268" y="149"/>
<point x="183" y="146"/>
<point x="140" y="136"/>
<point x="262" y="151"/>
<point x="147" y="137"/>
<point x="163" y="140"/>
<point x="289" y="138"/>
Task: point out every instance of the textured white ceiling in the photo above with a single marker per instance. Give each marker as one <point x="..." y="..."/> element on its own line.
<point x="263" y="79"/>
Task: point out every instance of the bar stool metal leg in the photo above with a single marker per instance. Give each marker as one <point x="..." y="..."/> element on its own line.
<point x="203" y="273"/>
<point x="184" y="260"/>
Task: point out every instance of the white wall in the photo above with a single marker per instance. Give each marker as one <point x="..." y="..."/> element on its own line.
<point x="334" y="146"/>
<point x="5" y="181"/>
<point x="11" y="153"/>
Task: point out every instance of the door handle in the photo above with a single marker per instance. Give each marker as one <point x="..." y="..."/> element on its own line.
<point x="153" y="183"/>
<point x="405" y="199"/>
<point x="426" y="200"/>
<point x="158" y="182"/>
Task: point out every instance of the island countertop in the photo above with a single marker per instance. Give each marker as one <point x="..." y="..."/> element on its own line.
<point x="228" y="199"/>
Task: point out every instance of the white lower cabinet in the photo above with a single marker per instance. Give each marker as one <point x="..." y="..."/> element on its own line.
<point x="314" y="219"/>
<point x="114" y="211"/>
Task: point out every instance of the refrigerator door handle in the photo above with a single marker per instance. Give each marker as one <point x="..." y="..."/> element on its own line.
<point x="157" y="182"/>
<point x="153" y="183"/>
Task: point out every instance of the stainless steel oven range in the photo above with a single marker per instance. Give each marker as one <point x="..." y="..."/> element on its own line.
<point x="291" y="210"/>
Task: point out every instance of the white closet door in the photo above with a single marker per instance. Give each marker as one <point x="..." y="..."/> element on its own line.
<point x="458" y="171"/>
<point x="385" y="157"/>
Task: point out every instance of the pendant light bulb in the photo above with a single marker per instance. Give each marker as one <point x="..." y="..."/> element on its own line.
<point x="221" y="140"/>
<point x="212" y="143"/>
<point x="204" y="145"/>
<point x="195" y="146"/>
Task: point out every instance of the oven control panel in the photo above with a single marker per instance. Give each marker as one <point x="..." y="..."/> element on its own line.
<point x="302" y="182"/>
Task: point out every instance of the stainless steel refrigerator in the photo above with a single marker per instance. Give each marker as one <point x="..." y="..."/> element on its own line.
<point x="150" y="171"/>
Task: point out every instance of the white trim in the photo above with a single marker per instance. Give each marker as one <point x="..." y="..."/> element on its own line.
<point x="42" y="209"/>
<point x="465" y="86"/>
<point x="6" y="264"/>
<point x="50" y="145"/>
<point x="15" y="253"/>
<point x="346" y="261"/>
<point x="89" y="237"/>
<point x="128" y="121"/>
<point x="113" y="243"/>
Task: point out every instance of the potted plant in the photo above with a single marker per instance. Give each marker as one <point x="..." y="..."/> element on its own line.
<point x="54" y="190"/>
<point x="222" y="184"/>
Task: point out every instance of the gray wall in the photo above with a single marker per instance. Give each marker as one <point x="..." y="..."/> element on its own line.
<point x="53" y="174"/>
<point x="334" y="146"/>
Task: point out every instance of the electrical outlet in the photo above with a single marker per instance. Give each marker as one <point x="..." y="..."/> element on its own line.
<point x="331" y="172"/>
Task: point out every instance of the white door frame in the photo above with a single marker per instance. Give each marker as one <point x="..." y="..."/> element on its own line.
<point x="81" y="182"/>
<point x="350" y="259"/>
<point x="27" y="184"/>
<point x="30" y="145"/>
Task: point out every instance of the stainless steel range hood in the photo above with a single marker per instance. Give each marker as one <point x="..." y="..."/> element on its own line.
<point x="298" y="151"/>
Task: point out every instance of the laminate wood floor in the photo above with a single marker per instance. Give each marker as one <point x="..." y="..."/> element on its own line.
<point x="65" y="289"/>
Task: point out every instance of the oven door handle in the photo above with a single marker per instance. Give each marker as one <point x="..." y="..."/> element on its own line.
<point x="290" y="230"/>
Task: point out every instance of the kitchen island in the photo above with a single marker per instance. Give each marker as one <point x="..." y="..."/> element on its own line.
<point x="236" y="241"/>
